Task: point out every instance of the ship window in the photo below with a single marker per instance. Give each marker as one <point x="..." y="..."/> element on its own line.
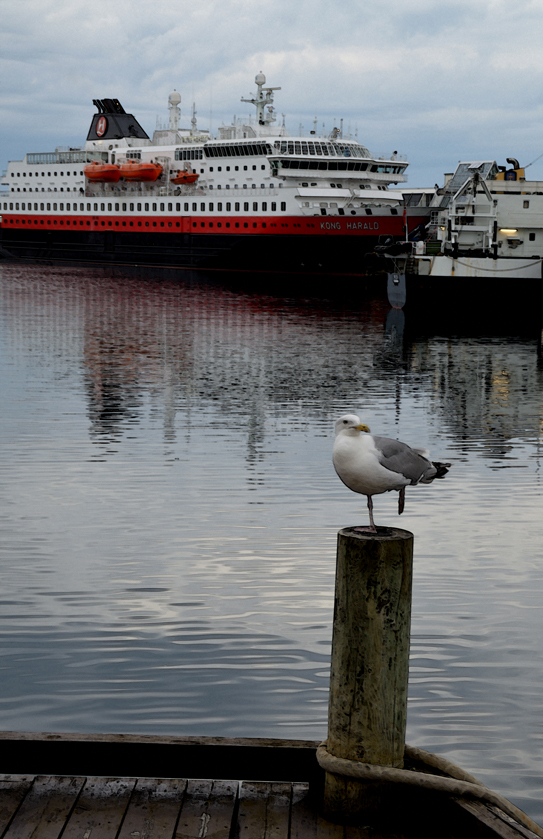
<point x="170" y="207"/>
<point x="255" y="205"/>
<point x="146" y="208"/>
<point x="186" y="207"/>
<point x="283" y="206"/>
<point x="393" y="211"/>
<point x="154" y="208"/>
<point x="161" y="207"/>
<point x="54" y="206"/>
<point x="369" y="212"/>
<point x="131" y="208"/>
<point x="264" y="205"/>
<point x="236" y="207"/>
<point x="194" y="206"/>
<point x="228" y="168"/>
<point x="236" y="168"/>
<point x="532" y="237"/>
<point x="202" y="206"/>
<point x="228" y="206"/>
<point x="102" y="207"/>
<point x="245" y="206"/>
<point x="116" y="207"/>
<point x="273" y="206"/>
<point x="81" y="206"/>
<point x="211" y="207"/>
<point x="525" y="204"/>
<point x="219" y="206"/>
<point x="109" y="207"/>
<point x="124" y="208"/>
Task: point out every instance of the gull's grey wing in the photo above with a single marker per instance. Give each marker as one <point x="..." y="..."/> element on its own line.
<point x="401" y="458"/>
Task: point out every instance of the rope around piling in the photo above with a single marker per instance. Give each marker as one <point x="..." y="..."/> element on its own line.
<point x="458" y="782"/>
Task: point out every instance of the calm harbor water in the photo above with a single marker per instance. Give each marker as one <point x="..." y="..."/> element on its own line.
<point x="169" y="512"/>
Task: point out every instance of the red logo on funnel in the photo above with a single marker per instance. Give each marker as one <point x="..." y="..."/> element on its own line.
<point x="101" y="127"/>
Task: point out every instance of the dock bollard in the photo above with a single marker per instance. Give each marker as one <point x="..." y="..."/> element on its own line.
<point x="370" y="665"/>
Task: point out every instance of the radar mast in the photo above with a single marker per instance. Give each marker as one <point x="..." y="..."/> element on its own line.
<point x="263" y="97"/>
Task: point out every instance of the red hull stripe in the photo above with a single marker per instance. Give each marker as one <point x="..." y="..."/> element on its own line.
<point x="284" y="225"/>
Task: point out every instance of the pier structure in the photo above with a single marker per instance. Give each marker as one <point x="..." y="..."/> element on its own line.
<point x="67" y="786"/>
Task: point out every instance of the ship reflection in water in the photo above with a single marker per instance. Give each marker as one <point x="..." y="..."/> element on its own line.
<point x="170" y="510"/>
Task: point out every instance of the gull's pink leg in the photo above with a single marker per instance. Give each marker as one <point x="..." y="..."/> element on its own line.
<point x="371" y="528"/>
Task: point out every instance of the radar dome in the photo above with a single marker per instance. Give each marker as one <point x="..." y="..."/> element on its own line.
<point x="260" y="78"/>
<point x="174" y="98"/>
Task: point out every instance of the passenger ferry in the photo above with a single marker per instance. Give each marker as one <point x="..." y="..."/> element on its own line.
<point x="251" y="198"/>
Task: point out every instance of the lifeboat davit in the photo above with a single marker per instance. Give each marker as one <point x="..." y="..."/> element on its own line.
<point x="134" y="170"/>
<point x="185" y="177"/>
<point x="102" y="173"/>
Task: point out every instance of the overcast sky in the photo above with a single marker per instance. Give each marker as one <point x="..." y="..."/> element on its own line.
<point x="436" y="81"/>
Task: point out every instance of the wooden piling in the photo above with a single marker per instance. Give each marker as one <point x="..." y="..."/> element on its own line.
<point x="370" y="664"/>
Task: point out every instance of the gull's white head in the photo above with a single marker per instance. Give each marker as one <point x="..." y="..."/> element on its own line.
<point x="350" y="424"/>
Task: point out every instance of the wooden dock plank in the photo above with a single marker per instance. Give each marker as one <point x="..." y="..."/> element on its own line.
<point x="45" y="809"/>
<point x="501" y="825"/>
<point x="264" y="810"/>
<point x="153" y="809"/>
<point x="278" y="811"/>
<point x="100" y="808"/>
<point x="305" y="822"/>
<point x="208" y="810"/>
<point x="13" y="789"/>
<point x="252" y="810"/>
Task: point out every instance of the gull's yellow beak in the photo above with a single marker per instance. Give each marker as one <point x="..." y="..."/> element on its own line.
<point x="362" y="427"/>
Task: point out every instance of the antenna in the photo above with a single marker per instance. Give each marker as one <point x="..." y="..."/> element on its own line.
<point x="260" y="101"/>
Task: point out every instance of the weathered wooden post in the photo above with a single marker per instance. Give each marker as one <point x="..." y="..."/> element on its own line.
<point x="370" y="663"/>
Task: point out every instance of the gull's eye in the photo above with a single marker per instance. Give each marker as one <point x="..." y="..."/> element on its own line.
<point x="345" y="422"/>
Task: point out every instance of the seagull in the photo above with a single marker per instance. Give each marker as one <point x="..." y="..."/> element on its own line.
<point x="371" y="465"/>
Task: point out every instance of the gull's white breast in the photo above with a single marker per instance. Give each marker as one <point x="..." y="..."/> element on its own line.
<point x="357" y="462"/>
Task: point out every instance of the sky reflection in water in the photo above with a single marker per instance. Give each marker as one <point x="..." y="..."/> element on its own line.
<point x="169" y="513"/>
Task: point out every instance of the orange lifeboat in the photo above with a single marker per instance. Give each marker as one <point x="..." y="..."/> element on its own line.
<point x="134" y="170"/>
<point x="102" y="173"/>
<point x="185" y="177"/>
